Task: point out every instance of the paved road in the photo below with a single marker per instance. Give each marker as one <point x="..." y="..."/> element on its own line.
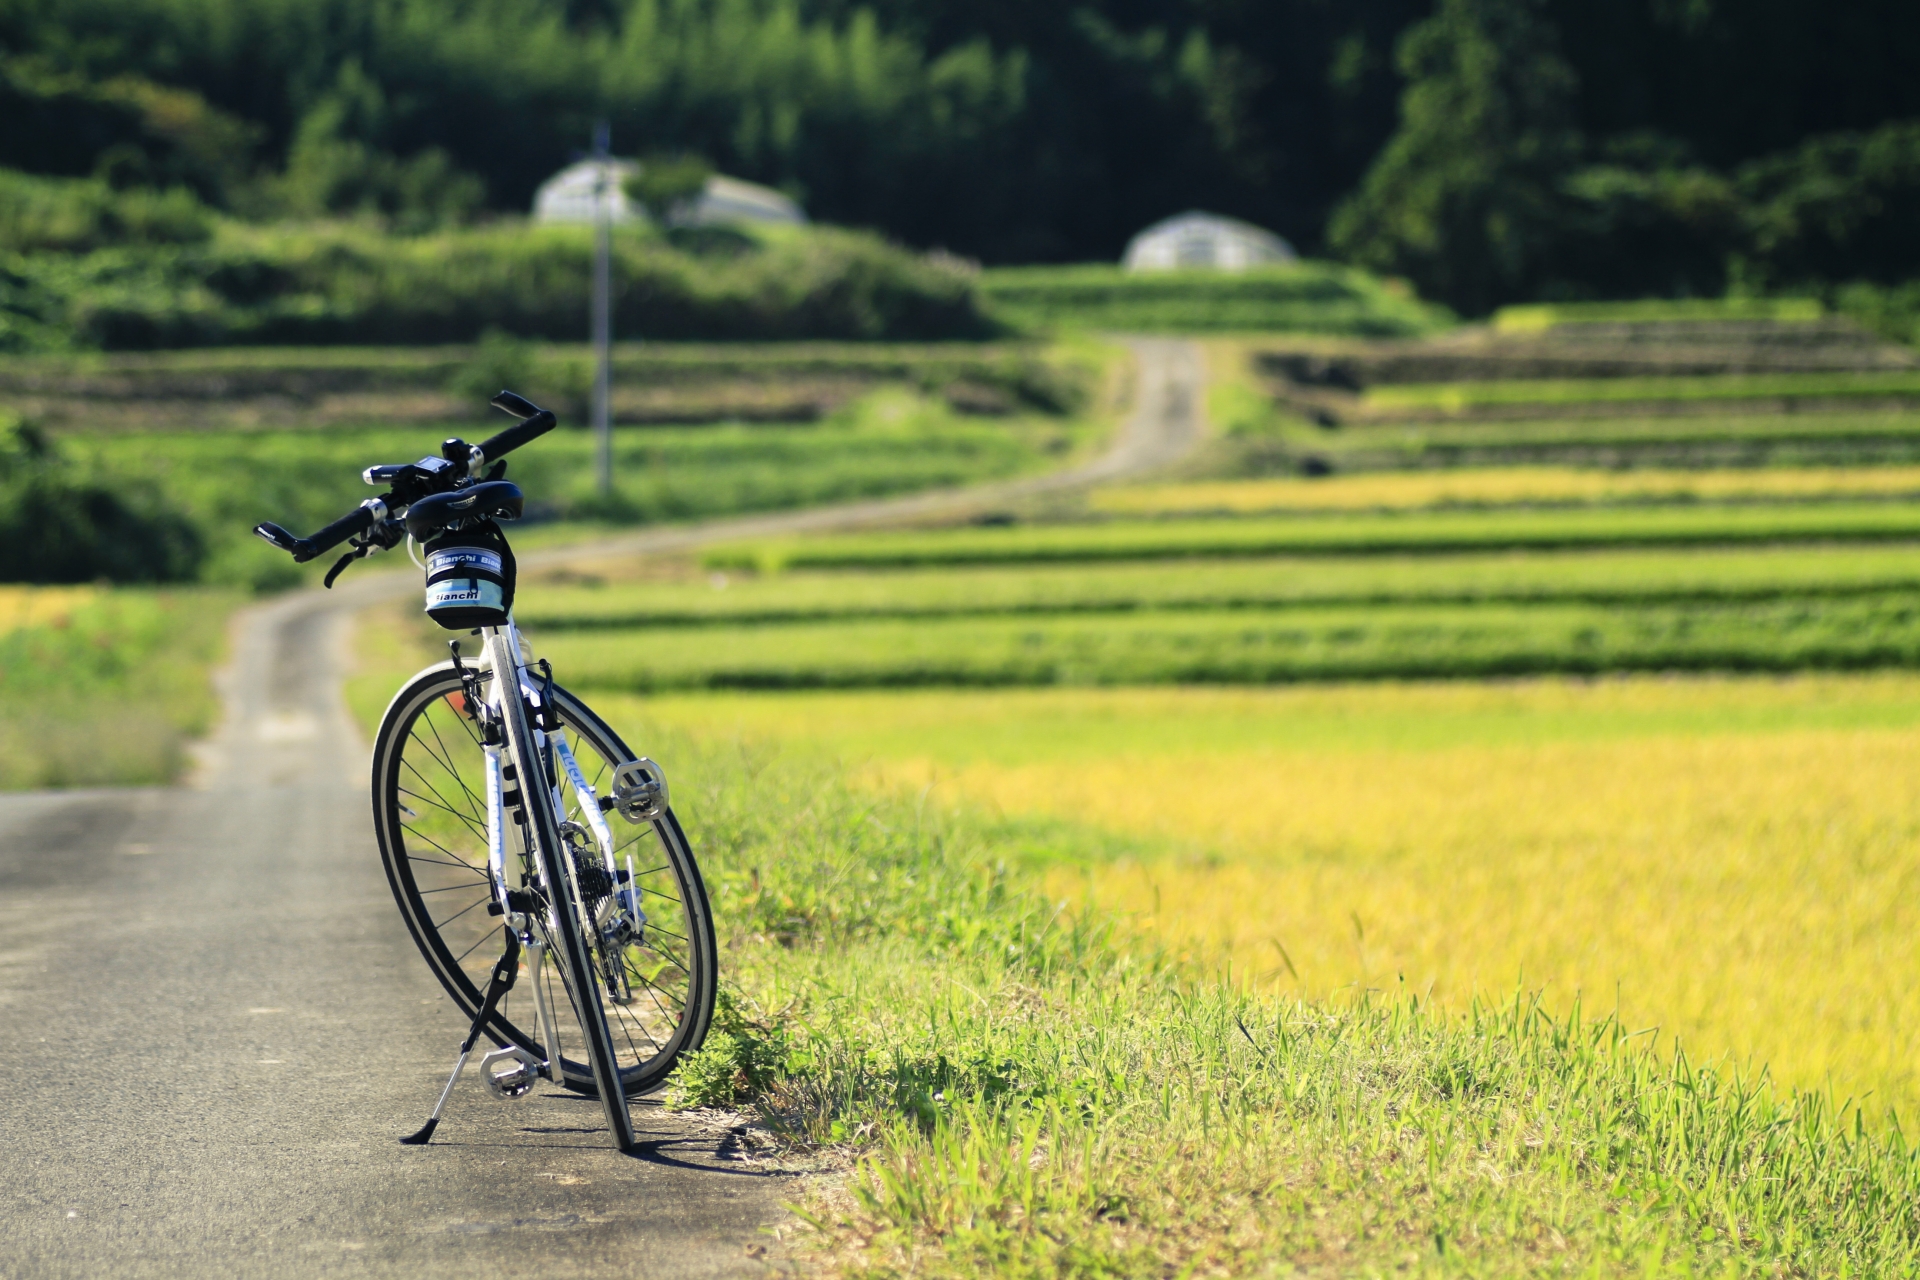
<point x="218" y="1026"/>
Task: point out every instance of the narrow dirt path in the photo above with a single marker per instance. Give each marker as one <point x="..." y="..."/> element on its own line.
<point x="220" y="1025"/>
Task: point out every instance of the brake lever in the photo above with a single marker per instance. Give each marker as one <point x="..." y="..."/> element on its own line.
<point x="340" y="565"/>
<point x="384" y="536"/>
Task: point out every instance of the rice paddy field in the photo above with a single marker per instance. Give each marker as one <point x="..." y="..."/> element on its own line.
<point x="1637" y="738"/>
<point x="1727" y="863"/>
<point x="1460" y="397"/>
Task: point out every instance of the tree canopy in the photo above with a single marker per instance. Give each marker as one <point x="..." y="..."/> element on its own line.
<point x="1489" y="149"/>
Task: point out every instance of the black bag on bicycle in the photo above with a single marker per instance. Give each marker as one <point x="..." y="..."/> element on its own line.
<point x="470" y="578"/>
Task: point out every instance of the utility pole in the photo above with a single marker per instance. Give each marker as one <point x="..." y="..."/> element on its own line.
<point x="603" y="190"/>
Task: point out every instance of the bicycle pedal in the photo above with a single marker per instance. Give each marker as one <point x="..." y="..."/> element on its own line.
<point x="639" y="790"/>
<point x="523" y="1071"/>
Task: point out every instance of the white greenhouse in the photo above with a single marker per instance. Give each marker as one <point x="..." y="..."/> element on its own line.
<point x="731" y="200"/>
<point x="1196" y="239"/>
<point x="569" y="196"/>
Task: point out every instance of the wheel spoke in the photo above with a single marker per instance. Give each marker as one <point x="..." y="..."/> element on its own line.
<point x="445" y="761"/>
<point x="478" y="805"/>
<point x="415" y="831"/>
<point x="442" y="924"/>
<point x="441" y="801"/>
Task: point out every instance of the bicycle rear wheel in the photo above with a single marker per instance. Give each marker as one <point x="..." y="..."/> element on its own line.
<point x="430" y="817"/>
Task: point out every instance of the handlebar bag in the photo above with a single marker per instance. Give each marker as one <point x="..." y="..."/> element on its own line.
<point x="470" y="577"/>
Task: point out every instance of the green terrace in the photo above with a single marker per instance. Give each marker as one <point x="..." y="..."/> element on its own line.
<point x="1461" y="397"/>
<point x="1592" y="577"/>
<point x="1429" y="531"/>
<point x="1249" y="645"/>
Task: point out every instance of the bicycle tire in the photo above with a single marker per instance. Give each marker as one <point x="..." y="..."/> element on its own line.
<point x="438" y="880"/>
<point x="569" y="916"/>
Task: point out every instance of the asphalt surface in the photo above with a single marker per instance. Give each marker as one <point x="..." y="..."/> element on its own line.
<point x="217" y="1026"/>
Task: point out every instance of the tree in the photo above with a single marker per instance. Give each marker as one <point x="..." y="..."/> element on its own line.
<point x="1465" y="199"/>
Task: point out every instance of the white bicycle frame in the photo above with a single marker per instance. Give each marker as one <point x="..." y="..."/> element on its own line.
<point x="501" y="653"/>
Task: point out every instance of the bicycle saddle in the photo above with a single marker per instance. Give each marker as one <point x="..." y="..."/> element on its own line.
<point x="488" y="500"/>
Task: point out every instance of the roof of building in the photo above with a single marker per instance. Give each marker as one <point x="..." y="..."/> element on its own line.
<point x="1196" y="239"/>
<point x="732" y="200"/>
<point x="569" y="196"/>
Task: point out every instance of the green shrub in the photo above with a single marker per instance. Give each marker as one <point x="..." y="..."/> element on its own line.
<point x="342" y="283"/>
<point x="80" y="214"/>
<point x="58" y="526"/>
<point x="1892" y="311"/>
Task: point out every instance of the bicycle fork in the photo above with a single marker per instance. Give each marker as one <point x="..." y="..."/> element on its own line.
<point x="506" y="709"/>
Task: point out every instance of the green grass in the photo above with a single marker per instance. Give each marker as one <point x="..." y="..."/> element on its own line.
<point x="1307" y="297"/>
<point x="1429" y="532"/>
<point x="1025" y="1094"/>
<point x="1594" y="577"/>
<point x="1458" y="397"/>
<point x="110" y="691"/>
<point x="1248" y="646"/>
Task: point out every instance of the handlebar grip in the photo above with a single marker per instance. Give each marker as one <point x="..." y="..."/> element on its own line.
<point x="359" y="520"/>
<point x="514" y="403"/>
<point x="513" y="437"/>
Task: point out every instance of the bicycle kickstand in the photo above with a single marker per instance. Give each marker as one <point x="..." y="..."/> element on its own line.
<point x="502" y="981"/>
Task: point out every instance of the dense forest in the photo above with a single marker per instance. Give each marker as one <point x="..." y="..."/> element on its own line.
<point x="1490" y="150"/>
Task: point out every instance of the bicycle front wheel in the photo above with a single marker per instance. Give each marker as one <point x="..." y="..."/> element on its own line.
<point x="430" y="814"/>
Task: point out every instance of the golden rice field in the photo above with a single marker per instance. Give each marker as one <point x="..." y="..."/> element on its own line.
<point x="1735" y="862"/>
<point x="1504" y="486"/>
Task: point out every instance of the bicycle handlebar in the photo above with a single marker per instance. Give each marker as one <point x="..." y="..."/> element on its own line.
<point x="359" y="520"/>
<point x="512" y="438"/>
<point x="440" y="476"/>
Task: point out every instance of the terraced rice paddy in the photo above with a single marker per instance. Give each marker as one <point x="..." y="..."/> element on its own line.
<point x="1245" y="646"/>
<point x="1344" y="734"/>
<point x="1727" y="860"/>
<point x="1506" y="486"/>
<point x="1458" y="397"/>
<point x="1422" y="531"/>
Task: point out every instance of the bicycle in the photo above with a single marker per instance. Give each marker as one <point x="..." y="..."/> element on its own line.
<point x="466" y="842"/>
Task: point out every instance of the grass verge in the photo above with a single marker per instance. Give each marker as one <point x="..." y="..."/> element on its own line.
<point x="105" y="686"/>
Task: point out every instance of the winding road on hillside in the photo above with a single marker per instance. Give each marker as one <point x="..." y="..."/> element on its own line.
<point x="217" y="1025"/>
